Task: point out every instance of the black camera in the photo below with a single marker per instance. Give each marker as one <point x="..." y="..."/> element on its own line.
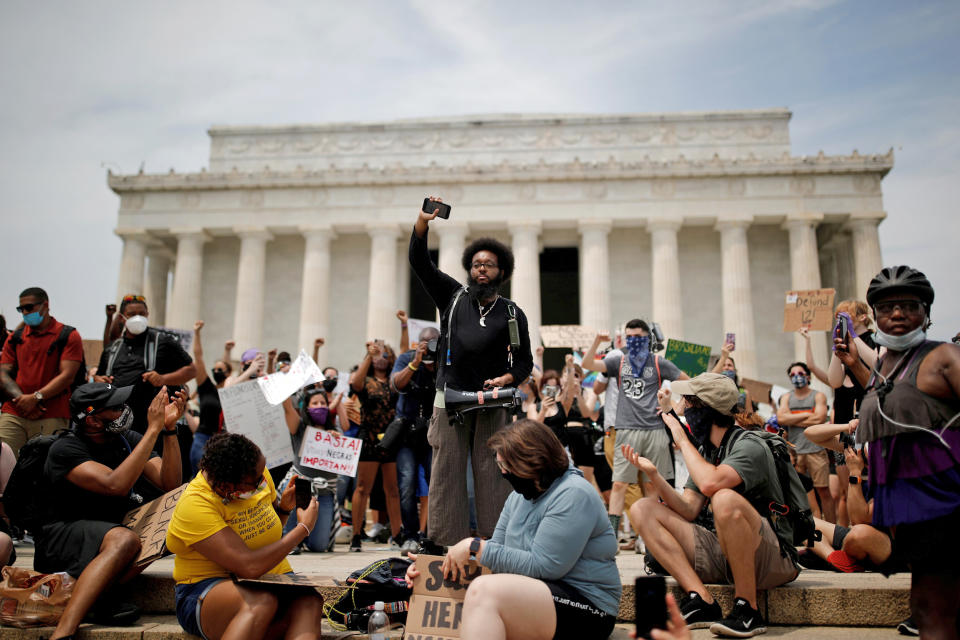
<point x="656" y="337"/>
<point x="847" y="440"/>
<point x="431" y="355"/>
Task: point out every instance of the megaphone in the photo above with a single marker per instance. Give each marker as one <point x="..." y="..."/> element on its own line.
<point x="460" y="402"/>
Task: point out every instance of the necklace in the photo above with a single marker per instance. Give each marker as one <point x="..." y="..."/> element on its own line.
<point x="484" y="314"/>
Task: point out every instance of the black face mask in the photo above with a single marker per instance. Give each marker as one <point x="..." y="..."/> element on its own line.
<point x="330" y="385"/>
<point x="524" y="486"/>
<point x="219" y="375"/>
<point x="698" y="418"/>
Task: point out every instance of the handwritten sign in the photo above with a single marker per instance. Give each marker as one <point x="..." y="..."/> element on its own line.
<point x="150" y="522"/>
<point x="570" y="336"/>
<point x="811" y="309"/>
<point x="330" y="451"/>
<point x="436" y="607"/>
<point x="279" y="386"/>
<point x="284" y="582"/>
<point x="690" y="358"/>
<point x="247" y="412"/>
<point x="759" y="391"/>
<point x="183" y="336"/>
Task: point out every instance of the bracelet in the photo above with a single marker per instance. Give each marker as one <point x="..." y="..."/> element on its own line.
<point x="305" y="527"/>
<point x="403" y="325"/>
<point x="168" y="432"/>
<point x="411" y="367"/>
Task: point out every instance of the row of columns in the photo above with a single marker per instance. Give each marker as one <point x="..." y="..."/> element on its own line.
<point x="383" y="294"/>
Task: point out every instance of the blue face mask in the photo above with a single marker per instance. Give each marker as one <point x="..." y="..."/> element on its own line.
<point x="799" y="381"/>
<point x="730" y="374"/>
<point x="638" y="350"/>
<point x="32" y="319"/>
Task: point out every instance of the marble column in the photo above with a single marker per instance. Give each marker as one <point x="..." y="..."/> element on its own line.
<point x="866" y="250"/>
<point x="155" y="286"/>
<point x="403" y="271"/>
<point x="525" y="287"/>
<point x="667" y="306"/>
<point x="315" y="295"/>
<point x="453" y="239"/>
<point x="187" y="278"/>
<point x="595" y="274"/>
<point x="737" y="292"/>
<point x="130" y="278"/>
<point x="382" y="292"/>
<point x="251" y="277"/>
<point x="805" y="274"/>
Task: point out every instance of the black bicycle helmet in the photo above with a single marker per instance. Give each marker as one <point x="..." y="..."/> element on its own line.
<point x="900" y="279"/>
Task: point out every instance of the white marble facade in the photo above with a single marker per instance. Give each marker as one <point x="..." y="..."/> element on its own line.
<point x="700" y="221"/>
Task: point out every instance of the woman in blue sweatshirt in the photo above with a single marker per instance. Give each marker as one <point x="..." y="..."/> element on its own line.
<point x="552" y="552"/>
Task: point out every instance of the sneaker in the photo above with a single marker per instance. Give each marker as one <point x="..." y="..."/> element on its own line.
<point x="639" y="547"/>
<point x="111" y="613"/>
<point x="356" y="544"/>
<point x="841" y="561"/>
<point x="379" y="533"/>
<point x="697" y="613"/>
<point x="344" y="534"/>
<point x="396" y="542"/>
<point x="908" y="627"/>
<point x="809" y="560"/>
<point x="410" y="546"/>
<point x="743" y="622"/>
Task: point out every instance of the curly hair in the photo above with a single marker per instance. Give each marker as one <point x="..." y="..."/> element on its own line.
<point x="502" y="251"/>
<point x="230" y="457"/>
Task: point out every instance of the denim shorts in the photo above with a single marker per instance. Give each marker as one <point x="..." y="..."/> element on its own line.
<point x="189" y="598"/>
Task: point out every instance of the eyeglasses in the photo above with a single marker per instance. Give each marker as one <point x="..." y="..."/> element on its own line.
<point x="29" y="307"/>
<point x="488" y="265"/>
<point x="909" y="307"/>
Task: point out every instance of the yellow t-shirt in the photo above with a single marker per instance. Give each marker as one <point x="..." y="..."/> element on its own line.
<point x="200" y="513"/>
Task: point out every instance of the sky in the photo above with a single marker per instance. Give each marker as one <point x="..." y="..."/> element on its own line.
<point x="91" y="86"/>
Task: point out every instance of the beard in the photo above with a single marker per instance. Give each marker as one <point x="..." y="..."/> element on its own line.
<point x="483" y="292"/>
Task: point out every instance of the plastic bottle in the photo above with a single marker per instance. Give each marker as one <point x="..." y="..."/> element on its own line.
<point x="379" y="623"/>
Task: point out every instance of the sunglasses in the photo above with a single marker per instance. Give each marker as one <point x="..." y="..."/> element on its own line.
<point x="29" y="307"/>
<point x="910" y="307"/>
<point x="133" y="298"/>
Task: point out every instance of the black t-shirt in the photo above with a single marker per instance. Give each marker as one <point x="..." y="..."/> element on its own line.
<point x="70" y="502"/>
<point x="129" y="367"/>
<point x="211" y="414"/>
<point x="477" y="353"/>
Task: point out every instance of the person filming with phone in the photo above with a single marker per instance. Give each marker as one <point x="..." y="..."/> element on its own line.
<point x="484" y="345"/>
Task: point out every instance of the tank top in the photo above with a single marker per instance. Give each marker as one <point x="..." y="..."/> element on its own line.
<point x="557" y="422"/>
<point x="848" y="400"/>
<point x="796" y="434"/>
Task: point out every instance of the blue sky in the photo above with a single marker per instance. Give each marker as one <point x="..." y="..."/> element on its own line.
<point x="94" y="85"/>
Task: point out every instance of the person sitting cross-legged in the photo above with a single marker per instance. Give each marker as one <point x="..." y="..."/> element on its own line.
<point x="740" y="481"/>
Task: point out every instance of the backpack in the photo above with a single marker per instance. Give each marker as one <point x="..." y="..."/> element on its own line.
<point x="796" y="506"/>
<point x="382" y="580"/>
<point x="57" y="345"/>
<point x="149" y="352"/>
<point x="25" y="497"/>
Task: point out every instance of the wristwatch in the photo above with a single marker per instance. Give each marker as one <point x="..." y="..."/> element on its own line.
<point x="474" y="548"/>
<point x="168" y="432"/>
<point x="854" y="479"/>
<point x="38" y="396"/>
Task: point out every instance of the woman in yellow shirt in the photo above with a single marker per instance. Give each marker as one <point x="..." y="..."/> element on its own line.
<point x="229" y="521"/>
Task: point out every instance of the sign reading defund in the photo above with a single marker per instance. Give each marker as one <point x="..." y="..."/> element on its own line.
<point x="436" y="608"/>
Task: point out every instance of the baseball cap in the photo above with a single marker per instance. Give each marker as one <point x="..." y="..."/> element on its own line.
<point x="94" y="396"/>
<point x="715" y="390"/>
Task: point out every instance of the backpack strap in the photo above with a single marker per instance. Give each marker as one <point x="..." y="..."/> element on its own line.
<point x="17" y="337"/>
<point x="453" y="306"/>
<point x="656" y="362"/>
<point x="150" y="350"/>
<point x="61" y="342"/>
<point x="112" y="352"/>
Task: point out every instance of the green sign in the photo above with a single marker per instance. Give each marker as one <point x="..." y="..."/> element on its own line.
<point x="690" y="358"/>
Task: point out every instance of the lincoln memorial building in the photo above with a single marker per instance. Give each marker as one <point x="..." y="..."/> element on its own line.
<point x="698" y="221"/>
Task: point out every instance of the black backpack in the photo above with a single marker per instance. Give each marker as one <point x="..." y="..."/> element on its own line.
<point x="382" y="580"/>
<point x="25" y="499"/>
<point x="57" y="345"/>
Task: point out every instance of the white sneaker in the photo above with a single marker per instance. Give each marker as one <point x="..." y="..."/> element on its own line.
<point x="343" y="534"/>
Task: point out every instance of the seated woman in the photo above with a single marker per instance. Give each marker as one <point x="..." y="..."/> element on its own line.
<point x="229" y="521"/>
<point x="552" y="552"/>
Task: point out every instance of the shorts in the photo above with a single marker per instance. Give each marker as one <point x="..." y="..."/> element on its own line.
<point x="189" y="597"/>
<point x="653" y="444"/>
<point x="817" y="466"/>
<point x="576" y="616"/>
<point x="17" y="431"/>
<point x="370" y="452"/>
<point x="70" y="546"/>
<point x="889" y="566"/>
<point x="771" y="567"/>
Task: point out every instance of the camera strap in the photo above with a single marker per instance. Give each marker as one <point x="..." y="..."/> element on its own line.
<point x="453" y="307"/>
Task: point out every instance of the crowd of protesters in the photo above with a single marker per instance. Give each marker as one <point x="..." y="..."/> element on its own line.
<point x="471" y="448"/>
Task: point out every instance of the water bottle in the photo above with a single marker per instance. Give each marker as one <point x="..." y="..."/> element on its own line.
<point x="379" y="623"/>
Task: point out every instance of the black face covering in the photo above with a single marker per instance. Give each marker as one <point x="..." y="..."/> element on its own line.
<point x="699" y="420"/>
<point x="524" y="486"/>
<point x="329" y="385"/>
<point x="219" y="375"/>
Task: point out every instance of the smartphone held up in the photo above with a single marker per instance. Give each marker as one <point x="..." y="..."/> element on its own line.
<point x="440" y="208"/>
<point x="303" y="492"/>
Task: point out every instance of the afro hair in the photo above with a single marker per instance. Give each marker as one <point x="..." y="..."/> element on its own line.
<point x="502" y="251"/>
<point x="230" y="457"/>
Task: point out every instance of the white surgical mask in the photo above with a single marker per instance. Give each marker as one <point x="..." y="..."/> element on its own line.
<point x="901" y="343"/>
<point x="136" y="325"/>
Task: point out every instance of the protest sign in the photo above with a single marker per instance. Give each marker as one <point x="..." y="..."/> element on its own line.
<point x="414" y="327"/>
<point x="690" y="358"/>
<point x="330" y="451"/>
<point x="279" y="386"/>
<point x="287" y="584"/>
<point x="570" y="336"/>
<point x="436" y="607"/>
<point x="183" y="336"/>
<point x="246" y="411"/>
<point x="811" y="309"/>
<point x="758" y="391"/>
<point x="150" y="521"/>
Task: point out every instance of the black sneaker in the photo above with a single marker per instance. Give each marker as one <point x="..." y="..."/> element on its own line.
<point x="356" y="544"/>
<point x="908" y="627"/>
<point x="697" y="613"/>
<point x="113" y="613"/>
<point x="743" y="622"/>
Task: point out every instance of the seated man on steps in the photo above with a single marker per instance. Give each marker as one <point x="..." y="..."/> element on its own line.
<point x="97" y="472"/>
<point x="745" y="550"/>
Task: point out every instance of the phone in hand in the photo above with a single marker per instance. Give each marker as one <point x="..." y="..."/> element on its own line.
<point x="731" y="340"/>
<point x="303" y="492"/>
<point x="651" y="604"/>
<point x="840" y="329"/>
<point x="442" y="209"/>
<point x="550" y="391"/>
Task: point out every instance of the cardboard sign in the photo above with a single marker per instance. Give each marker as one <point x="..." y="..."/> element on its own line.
<point x="150" y="522"/>
<point x="570" y="336"/>
<point x="690" y="358"/>
<point x="285" y="582"/>
<point x="436" y="608"/>
<point x="183" y="336"/>
<point x="246" y="411"/>
<point x="279" y="386"/>
<point x="811" y="309"/>
<point x="759" y="391"/>
<point x="330" y="451"/>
